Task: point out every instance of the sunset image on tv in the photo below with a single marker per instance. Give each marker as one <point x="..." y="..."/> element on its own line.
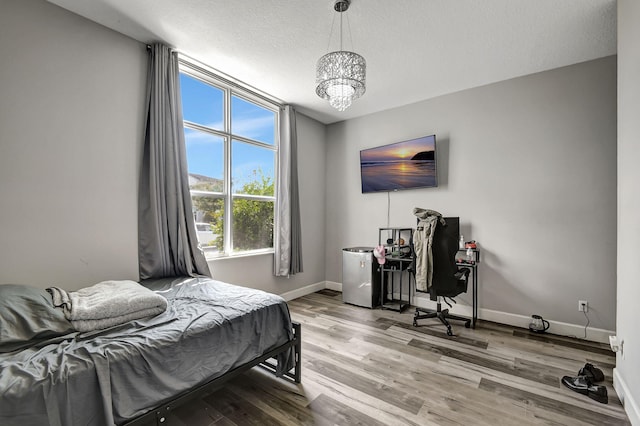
<point x="402" y="165"/>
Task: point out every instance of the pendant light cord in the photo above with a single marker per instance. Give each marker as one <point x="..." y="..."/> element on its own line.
<point x="350" y="35"/>
<point x="333" y="21"/>
<point x="341" y="30"/>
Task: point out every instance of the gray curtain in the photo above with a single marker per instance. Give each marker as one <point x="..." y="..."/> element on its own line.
<point x="167" y="238"/>
<point x="288" y="244"/>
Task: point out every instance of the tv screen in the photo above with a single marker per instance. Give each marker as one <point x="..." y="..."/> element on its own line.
<point x="401" y="165"/>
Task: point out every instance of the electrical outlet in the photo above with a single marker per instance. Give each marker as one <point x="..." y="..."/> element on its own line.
<point x="583" y="306"/>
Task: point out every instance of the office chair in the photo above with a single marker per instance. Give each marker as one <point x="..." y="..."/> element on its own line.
<point x="448" y="280"/>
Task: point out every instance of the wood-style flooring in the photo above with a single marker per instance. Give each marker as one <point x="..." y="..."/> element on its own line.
<point x="372" y="367"/>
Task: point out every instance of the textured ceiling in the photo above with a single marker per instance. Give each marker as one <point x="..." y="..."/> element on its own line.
<point x="415" y="49"/>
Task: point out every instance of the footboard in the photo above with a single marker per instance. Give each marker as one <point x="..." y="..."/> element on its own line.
<point x="266" y="361"/>
<point x="269" y="364"/>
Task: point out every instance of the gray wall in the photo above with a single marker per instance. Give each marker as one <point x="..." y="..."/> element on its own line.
<point x="528" y="164"/>
<point x="71" y="133"/>
<point x="627" y="374"/>
<point x="71" y="122"/>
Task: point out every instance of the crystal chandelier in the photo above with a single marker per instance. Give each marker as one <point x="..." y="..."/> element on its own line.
<point x="341" y="75"/>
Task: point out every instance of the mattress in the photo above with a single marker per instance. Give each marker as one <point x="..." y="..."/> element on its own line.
<point x="107" y="377"/>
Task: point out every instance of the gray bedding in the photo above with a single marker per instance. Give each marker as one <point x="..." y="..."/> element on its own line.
<point x="106" y="377"/>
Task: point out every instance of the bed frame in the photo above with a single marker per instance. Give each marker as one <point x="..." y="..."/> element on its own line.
<point x="160" y="413"/>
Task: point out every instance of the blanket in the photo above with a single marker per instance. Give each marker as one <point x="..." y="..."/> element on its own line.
<point x="107" y="304"/>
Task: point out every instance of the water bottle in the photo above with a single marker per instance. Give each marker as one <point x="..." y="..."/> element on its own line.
<point x="470" y="257"/>
<point x="461" y="243"/>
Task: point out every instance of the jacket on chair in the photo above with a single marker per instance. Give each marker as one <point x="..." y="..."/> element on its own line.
<point x="422" y="242"/>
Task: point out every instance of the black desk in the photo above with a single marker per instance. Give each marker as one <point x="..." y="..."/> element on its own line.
<point x="393" y="266"/>
<point x="399" y="256"/>
<point x="461" y="261"/>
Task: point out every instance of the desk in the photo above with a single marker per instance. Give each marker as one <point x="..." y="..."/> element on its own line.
<point x="463" y="262"/>
<point x="399" y="257"/>
<point x="394" y="266"/>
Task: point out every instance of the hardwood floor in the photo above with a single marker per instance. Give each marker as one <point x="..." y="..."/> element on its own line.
<point x="372" y="367"/>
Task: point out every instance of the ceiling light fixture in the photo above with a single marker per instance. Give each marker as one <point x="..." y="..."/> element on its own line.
<point x="341" y="75"/>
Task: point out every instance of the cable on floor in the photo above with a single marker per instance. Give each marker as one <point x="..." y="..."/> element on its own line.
<point x="587" y="324"/>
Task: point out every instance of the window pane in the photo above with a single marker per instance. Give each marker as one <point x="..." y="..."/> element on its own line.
<point x="252" y="224"/>
<point x="205" y="159"/>
<point x="252" y="169"/>
<point x="201" y="103"/>
<point x="208" y="213"/>
<point x="252" y="121"/>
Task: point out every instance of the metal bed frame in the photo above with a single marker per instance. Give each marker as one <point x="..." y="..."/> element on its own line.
<point x="160" y="413"/>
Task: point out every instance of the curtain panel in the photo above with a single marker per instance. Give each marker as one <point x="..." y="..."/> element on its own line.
<point x="167" y="238"/>
<point x="288" y="244"/>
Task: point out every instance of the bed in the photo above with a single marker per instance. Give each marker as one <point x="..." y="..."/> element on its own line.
<point x="138" y="371"/>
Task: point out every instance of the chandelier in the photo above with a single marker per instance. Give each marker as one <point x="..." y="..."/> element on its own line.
<point x="341" y="75"/>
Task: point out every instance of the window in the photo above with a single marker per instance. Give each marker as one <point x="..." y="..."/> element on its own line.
<point x="231" y="138"/>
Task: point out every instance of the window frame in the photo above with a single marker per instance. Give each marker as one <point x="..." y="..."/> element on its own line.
<point x="231" y="89"/>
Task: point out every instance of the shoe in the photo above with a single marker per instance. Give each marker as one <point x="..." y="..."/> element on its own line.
<point x="594" y="374"/>
<point x="598" y="393"/>
<point x="581" y="384"/>
<point x="578" y="384"/>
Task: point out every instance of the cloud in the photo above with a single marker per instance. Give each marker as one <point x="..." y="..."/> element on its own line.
<point x="197" y="137"/>
<point x="258" y="128"/>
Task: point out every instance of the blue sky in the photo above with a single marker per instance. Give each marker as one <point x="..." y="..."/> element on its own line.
<point x="203" y="104"/>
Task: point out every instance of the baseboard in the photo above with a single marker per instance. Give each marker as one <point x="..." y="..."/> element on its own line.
<point x="303" y="291"/>
<point x="555" y="327"/>
<point x="522" y="321"/>
<point x="626" y="397"/>
<point x="332" y="285"/>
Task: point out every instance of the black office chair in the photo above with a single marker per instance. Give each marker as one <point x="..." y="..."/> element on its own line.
<point x="448" y="280"/>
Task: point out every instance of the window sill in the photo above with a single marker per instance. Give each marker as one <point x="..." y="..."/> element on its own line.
<point x="239" y="255"/>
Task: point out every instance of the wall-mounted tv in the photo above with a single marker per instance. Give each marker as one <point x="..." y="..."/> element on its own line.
<point x="401" y="165"/>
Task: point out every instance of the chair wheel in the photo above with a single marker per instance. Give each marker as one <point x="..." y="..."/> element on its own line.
<point x="467" y="324"/>
<point x="415" y="323"/>
<point x="449" y="332"/>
